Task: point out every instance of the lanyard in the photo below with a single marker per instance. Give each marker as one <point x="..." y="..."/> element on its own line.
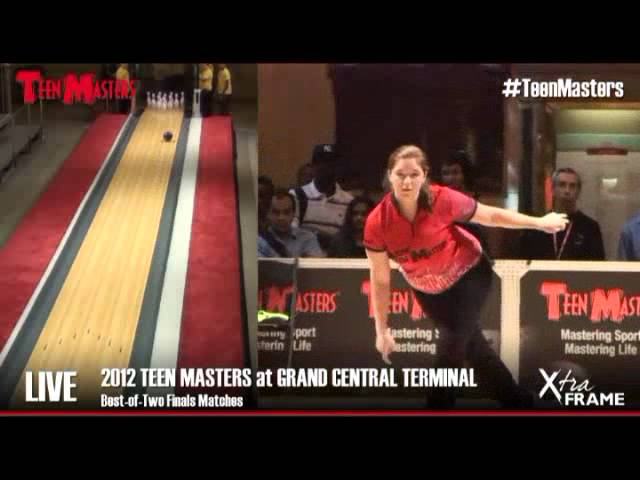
<point x="564" y="242"/>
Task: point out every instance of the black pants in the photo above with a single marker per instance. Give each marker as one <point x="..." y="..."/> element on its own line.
<point x="206" y="102"/>
<point x="223" y="104"/>
<point x="123" y="105"/>
<point x="456" y="315"/>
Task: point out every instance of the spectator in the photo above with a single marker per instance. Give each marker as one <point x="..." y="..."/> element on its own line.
<point x="122" y="76"/>
<point x="457" y="173"/>
<point x="321" y="204"/>
<point x="265" y="192"/>
<point x="223" y="89"/>
<point x="581" y="240"/>
<point x="280" y="239"/>
<point x="629" y="244"/>
<point x="305" y="174"/>
<point x="206" y="88"/>
<point x="348" y="242"/>
<point x="188" y="84"/>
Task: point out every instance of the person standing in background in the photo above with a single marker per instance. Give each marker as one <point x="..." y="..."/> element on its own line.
<point x="223" y="89"/>
<point x="122" y="75"/>
<point x="582" y="240"/>
<point x="206" y="88"/>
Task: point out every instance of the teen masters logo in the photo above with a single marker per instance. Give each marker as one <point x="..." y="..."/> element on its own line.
<point x="73" y="88"/>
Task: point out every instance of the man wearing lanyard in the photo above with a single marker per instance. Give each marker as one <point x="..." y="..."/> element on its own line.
<point x="581" y="240"/>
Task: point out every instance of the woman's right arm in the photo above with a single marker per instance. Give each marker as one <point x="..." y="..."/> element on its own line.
<point x="380" y="275"/>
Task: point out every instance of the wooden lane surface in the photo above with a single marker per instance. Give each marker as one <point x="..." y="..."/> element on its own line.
<point x="93" y="322"/>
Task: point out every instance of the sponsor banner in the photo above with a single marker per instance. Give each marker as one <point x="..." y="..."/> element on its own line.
<point x="580" y="334"/>
<point x="334" y="326"/>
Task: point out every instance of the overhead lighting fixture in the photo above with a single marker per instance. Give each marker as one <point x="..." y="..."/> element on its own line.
<point x="607" y="150"/>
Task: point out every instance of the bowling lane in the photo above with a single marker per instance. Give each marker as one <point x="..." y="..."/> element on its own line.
<point x="93" y="321"/>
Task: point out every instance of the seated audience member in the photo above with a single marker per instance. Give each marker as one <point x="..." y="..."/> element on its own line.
<point x="348" y="242"/>
<point x="629" y="243"/>
<point x="321" y="205"/>
<point x="265" y="192"/>
<point x="280" y="238"/>
<point x="581" y="240"/>
<point x="305" y="175"/>
<point x="457" y="173"/>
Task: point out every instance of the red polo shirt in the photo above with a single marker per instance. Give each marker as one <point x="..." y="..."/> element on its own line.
<point x="432" y="251"/>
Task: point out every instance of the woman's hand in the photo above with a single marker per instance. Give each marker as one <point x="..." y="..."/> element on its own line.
<point x="501" y="217"/>
<point x="385" y="344"/>
<point x="553" y="222"/>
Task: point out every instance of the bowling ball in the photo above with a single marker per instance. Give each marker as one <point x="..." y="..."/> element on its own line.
<point x="167" y="136"/>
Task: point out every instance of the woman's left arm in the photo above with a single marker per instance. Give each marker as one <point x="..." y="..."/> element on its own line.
<point x="500" y="217"/>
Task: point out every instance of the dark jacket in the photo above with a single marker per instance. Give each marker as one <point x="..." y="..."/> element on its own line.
<point x="343" y="246"/>
<point x="584" y="241"/>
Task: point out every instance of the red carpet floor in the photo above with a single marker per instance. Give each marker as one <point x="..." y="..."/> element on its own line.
<point x="26" y="255"/>
<point x="212" y="330"/>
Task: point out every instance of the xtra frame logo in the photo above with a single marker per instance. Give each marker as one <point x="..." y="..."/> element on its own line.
<point x="73" y="88"/>
<point x="569" y="392"/>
